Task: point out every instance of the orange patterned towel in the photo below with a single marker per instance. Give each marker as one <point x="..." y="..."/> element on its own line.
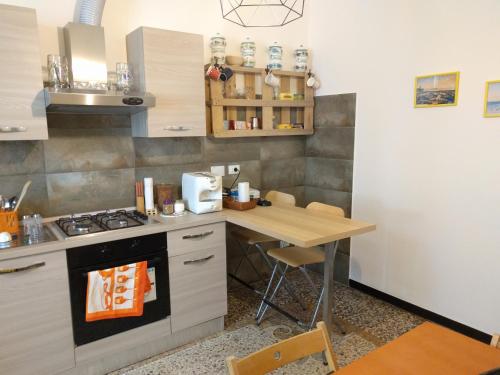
<point x="117" y="292"/>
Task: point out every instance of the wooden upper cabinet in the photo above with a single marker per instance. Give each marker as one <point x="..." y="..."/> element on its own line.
<point x="21" y="85"/>
<point x="169" y="65"/>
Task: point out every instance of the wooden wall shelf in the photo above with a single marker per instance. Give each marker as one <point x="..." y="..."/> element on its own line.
<point x="224" y="103"/>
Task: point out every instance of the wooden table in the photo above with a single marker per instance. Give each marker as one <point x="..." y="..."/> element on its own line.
<point x="303" y="228"/>
<point x="428" y="349"/>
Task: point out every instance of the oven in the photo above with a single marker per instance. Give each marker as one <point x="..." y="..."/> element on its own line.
<point x="81" y="260"/>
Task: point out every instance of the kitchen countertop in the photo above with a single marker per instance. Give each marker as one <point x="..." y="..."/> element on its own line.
<point x="161" y="225"/>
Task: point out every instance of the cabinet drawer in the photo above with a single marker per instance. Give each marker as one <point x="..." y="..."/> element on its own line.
<point x="198" y="290"/>
<point x="186" y="240"/>
<point x="35" y="316"/>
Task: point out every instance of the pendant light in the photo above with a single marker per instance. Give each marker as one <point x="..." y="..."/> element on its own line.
<point x="262" y="13"/>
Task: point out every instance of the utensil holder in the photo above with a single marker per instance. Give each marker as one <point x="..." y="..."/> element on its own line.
<point x="9" y="222"/>
<point x="139" y="203"/>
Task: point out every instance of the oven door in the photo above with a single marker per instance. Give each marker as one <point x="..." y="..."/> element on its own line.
<point x="156" y="304"/>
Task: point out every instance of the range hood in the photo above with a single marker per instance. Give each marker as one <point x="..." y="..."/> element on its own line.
<point x="86" y="54"/>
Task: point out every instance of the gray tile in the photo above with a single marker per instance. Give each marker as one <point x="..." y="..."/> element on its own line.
<point x="283" y="173"/>
<point x="340" y="199"/>
<point x="35" y="200"/>
<point x="167" y="151"/>
<point x="87" y="121"/>
<point x="332" y="174"/>
<point x="225" y="150"/>
<point x="282" y="147"/>
<point x="21" y="157"/>
<point x="77" y="150"/>
<point x="336" y="143"/>
<point x="89" y="191"/>
<point x="334" y="110"/>
<point x="250" y="172"/>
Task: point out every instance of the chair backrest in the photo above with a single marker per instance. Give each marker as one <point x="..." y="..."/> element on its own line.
<point x="280" y="199"/>
<point x="326" y="208"/>
<point x="495" y="341"/>
<point x="290" y="350"/>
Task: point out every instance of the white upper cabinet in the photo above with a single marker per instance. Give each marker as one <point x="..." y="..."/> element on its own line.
<point x="169" y="65"/>
<point x="22" y="104"/>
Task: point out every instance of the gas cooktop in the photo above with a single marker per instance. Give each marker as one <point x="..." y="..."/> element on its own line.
<point x="100" y="222"/>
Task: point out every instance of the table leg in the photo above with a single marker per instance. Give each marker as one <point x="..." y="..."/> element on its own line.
<point x="330" y="251"/>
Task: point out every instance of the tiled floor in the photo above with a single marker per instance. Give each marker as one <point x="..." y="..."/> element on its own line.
<point x="368" y="323"/>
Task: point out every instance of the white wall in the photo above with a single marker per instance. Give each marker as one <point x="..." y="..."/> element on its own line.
<point x="429" y="178"/>
<point x="196" y="16"/>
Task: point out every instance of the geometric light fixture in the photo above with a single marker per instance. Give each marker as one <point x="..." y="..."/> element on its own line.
<point x="262" y="13"/>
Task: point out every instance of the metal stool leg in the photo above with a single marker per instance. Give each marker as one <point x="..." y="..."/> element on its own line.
<point x="287" y="284"/>
<point x="269" y="284"/>
<point x="280" y="281"/>
<point x="316" y="309"/>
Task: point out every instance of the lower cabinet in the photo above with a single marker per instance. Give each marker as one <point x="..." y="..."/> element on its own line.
<point x="198" y="290"/>
<point x="35" y="316"/>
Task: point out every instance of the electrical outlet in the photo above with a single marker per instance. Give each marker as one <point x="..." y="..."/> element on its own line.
<point x="233" y="169"/>
<point x="218" y="170"/>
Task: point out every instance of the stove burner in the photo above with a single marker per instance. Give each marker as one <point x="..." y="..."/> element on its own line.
<point x="123" y="223"/>
<point x="82" y="227"/>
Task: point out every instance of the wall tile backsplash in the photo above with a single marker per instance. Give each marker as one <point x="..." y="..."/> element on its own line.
<point x="90" y="163"/>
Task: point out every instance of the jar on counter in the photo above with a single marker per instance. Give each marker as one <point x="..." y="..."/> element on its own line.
<point x="168" y="207"/>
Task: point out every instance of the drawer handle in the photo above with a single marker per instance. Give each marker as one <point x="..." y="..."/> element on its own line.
<point x="21" y="269"/>
<point x="200" y="235"/>
<point x="202" y="260"/>
<point x="13" y="129"/>
<point x="177" y="128"/>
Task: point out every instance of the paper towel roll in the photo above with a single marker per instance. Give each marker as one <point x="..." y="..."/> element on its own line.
<point x="243" y="192"/>
<point x="148" y="194"/>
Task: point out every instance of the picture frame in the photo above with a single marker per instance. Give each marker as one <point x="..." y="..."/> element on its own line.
<point x="492" y="99"/>
<point x="436" y="90"/>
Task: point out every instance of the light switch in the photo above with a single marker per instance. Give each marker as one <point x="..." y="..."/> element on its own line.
<point x="218" y="170"/>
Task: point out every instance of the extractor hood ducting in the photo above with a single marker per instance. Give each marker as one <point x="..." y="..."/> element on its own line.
<point x="86" y="54"/>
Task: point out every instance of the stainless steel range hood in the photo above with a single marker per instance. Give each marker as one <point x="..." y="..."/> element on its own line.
<point x="86" y="54"/>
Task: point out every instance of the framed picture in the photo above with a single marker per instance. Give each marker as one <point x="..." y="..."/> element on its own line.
<point x="492" y="99"/>
<point x="436" y="90"/>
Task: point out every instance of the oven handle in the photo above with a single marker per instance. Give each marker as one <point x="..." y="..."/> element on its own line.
<point x="151" y="262"/>
<point x="21" y="269"/>
<point x="200" y="235"/>
<point x="202" y="260"/>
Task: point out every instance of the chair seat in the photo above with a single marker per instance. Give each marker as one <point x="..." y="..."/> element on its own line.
<point x="296" y="256"/>
<point x="251" y="237"/>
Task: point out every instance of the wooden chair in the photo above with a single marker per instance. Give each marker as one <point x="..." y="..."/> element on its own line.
<point x="287" y="351"/>
<point x="495" y="341"/>
<point x="297" y="257"/>
<point x="248" y="238"/>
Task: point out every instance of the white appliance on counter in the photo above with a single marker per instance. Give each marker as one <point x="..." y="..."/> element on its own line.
<point x="202" y="192"/>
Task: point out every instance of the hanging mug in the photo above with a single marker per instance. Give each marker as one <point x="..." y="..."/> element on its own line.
<point x="272" y="80"/>
<point x="226" y="73"/>
<point x="313" y="82"/>
<point x="213" y="72"/>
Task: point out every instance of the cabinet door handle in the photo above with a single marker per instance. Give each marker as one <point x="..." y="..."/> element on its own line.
<point x="12" y="129"/>
<point x="21" y="269"/>
<point x="202" y="260"/>
<point x="177" y="128"/>
<point x="199" y="235"/>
